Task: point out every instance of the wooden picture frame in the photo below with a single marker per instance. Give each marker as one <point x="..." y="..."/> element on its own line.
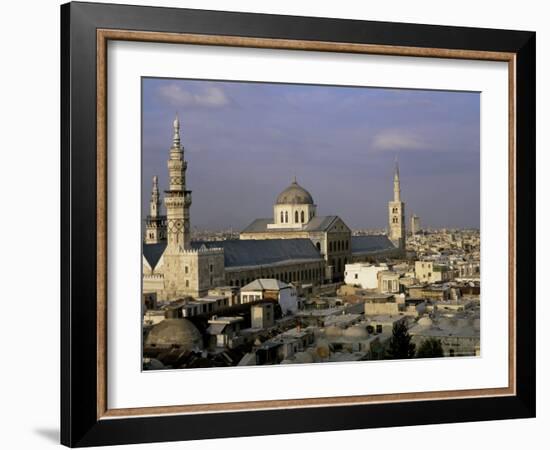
<point x="86" y="418"/>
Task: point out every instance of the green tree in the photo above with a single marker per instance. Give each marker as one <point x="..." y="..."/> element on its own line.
<point x="400" y="346"/>
<point x="430" y="348"/>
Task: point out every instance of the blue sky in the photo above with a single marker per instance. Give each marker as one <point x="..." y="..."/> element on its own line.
<point x="244" y="142"/>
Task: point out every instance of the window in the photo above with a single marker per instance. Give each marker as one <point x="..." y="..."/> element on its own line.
<point x="318" y="245"/>
<point x="356" y="276"/>
<point x="379" y="328"/>
<point x="282" y="217"/>
<point x="186" y="269"/>
<point x="211" y="268"/>
<point x="286" y="216"/>
<point x="186" y="283"/>
<point x="347" y="245"/>
<point x="295" y="216"/>
<point x="303" y="217"/>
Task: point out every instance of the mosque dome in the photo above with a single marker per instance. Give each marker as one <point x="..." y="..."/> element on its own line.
<point x="178" y="332"/>
<point x="295" y="195"/>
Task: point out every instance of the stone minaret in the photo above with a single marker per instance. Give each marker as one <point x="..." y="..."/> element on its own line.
<point x="177" y="200"/>
<point x="154" y="204"/>
<point x="396" y="210"/>
<point x="155" y="224"/>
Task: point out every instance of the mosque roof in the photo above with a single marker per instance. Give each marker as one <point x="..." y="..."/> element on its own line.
<point x="245" y="253"/>
<point x="370" y="244"/>
<point x="294" y="195"/>
<point x="153" y="252"/>
<point x="316" y="223"/>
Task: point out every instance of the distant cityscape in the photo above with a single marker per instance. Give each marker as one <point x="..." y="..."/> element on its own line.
<point x="299" y="287"/>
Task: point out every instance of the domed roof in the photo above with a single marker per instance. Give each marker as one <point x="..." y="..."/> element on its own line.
<point x="179" y="332"/>
<point x="295" y="195"/>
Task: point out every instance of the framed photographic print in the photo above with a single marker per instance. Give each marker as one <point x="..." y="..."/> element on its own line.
<point x="277" y="224"/>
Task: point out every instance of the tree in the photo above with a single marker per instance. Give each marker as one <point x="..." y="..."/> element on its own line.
<point x="400" y="346"/>
<point x="430" y="348"/>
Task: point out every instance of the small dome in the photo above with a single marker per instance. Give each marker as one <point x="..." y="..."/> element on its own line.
<point x="295" y="195"/>
<point x="180" y="332"/>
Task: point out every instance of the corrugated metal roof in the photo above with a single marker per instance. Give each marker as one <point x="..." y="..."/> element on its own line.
<point x="370" y="244"/>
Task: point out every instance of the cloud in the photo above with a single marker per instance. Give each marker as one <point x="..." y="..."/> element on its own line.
<point x="208" y="97"/>
<point x="396" y="139"/>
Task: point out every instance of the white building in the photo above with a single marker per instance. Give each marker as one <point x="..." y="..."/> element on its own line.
<point x="271" y="289"/>
<point x="363" y="275"/>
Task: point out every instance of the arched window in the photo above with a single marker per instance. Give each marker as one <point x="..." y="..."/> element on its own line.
<point x="295" y="216"/>
<point x="303" y="217"/>
<point x="330" y="246"/>
<point x="282" y="217"/>
<point x="286" y="216"/>
<point x="318" y="245"/>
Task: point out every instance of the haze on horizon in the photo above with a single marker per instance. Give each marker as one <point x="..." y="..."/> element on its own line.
<point x="244" y="143"/>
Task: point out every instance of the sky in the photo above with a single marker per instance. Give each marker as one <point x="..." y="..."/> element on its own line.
<point x="245" y="142"/>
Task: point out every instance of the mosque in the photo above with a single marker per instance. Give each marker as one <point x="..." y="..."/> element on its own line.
<point x="295" y="245"/>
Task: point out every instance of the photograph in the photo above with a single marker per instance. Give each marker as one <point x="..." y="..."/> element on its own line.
<point x="281" y="223"/>
<point x="304" y="223"/>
